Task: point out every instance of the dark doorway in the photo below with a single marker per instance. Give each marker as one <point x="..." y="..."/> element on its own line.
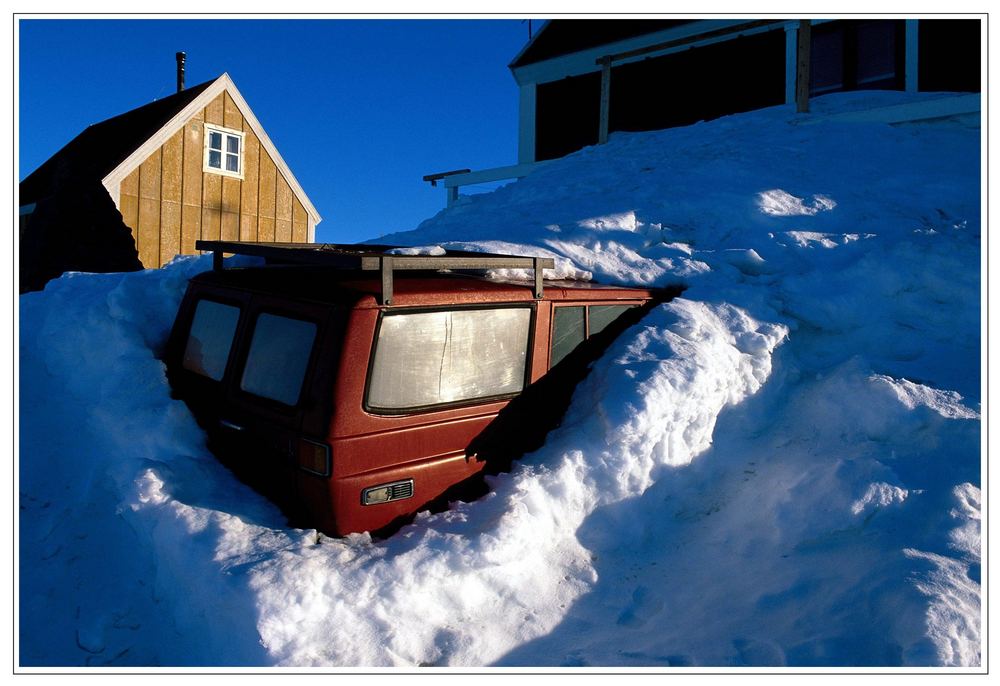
<point x="948" y="55"/>
<point x="703" y="83"/>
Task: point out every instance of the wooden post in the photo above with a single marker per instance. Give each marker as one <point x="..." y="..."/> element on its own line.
<point x="912" y="55"/>
<point x="452" y="195"/>
<point x="802" y="66"/>
<point x="602" y="135"/>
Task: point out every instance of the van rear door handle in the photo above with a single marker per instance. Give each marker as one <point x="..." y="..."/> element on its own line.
<point x="230" y="425"/>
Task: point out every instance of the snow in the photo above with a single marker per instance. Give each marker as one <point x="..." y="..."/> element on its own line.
<point x="782" y="467"/>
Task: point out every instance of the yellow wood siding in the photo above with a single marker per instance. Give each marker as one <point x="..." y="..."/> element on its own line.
<point x="170" y="202"/>
<point x="231" y="117"/>
<point x="248" y="195"/>
<point x="215" y="110"/>
<point x="148" y="238"/>
<point x="300" y="222"/>
<point x="194" y="152"/>
<point x="129" y="199"/>
<point x="282" y="211"/>
<point x="171" y="170"/>
<point x="265" y="199"/>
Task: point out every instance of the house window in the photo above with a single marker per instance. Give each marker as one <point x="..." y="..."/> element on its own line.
<point x="223" y="151"/>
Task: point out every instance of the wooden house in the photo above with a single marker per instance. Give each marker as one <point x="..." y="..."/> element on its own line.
<point x="581" y="79"/>
<point x="133" y="191"/>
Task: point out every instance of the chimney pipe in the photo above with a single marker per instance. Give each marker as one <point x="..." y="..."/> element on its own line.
<point x="180" y="71"/>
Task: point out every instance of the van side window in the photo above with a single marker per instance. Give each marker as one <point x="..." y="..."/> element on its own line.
<point x="568" y="332"/>
<point x="432" y="358"/>
<point x="210" y="338"/>
<point x="602" y="315"/>
<point x="278" y="357"/>
<point x="573" y="325"/>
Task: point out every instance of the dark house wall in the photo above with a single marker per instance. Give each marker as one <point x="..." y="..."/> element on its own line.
<point x="948" y="53"/>
<point x="78" y="229"/>
<point x="656" y="93"/>
<point x="700" y="84"/>
<point x="735" y="75"/>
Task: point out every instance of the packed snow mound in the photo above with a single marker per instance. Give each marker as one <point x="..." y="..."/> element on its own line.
<point x="782" y="467"/>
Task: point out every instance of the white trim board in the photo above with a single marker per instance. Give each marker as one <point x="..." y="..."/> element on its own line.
<point x="112" y="182"/>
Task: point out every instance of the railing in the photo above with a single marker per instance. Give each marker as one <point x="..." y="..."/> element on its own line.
<point x="454" y="180"/>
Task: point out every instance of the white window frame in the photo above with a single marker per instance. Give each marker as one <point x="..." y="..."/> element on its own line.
<point x="209" y="128"/>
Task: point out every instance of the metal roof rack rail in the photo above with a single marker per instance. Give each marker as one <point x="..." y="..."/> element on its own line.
<point x="375" y="258"/>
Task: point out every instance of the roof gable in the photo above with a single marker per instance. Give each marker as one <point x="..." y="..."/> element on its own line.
<point x="101" y="147"/>
<point x="110" y="150"/>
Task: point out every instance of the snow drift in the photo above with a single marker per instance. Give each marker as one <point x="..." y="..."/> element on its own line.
<point x="780" y="468"/>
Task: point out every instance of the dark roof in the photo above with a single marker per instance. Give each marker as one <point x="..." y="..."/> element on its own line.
<point x="564" y="36"/>
<point x="101" y="147"/>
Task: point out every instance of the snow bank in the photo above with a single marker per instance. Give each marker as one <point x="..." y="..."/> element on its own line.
<point x="780" y="468"/>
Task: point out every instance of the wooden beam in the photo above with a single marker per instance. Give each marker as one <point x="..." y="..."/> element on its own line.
<point x="802" y="66"/>
<point x="912" y="61"/>
<point x="602" y="134"/>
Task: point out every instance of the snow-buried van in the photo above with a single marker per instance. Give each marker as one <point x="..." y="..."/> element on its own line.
<point x="356" y="385"/>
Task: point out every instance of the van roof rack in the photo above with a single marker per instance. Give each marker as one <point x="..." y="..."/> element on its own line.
<point x="380" y="258"/>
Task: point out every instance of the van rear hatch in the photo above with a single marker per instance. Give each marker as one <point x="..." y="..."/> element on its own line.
<point x="257" y="370"/>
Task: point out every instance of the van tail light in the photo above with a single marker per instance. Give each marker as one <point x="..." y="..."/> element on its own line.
<point x="385" y="493"/>
<point x="313" y="457"/>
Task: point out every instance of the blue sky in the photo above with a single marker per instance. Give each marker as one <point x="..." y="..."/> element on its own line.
<point x="359" y="109"/>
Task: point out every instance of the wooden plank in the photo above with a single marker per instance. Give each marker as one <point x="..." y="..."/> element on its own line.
<point x="300" y="223"/>
<point x="265" y="229"/>
<point x="171" y="180"/>
<point x="211" y="207"/>
<point x="170" y="230"/>
<point x="230" y="230"/>
<point x="215" y="110"/>
<point x="265" y="198"/>
<point x="230" y="194"/>
<point x="190" y="228"/>
<point x="231" y="117"/>
<point x="230" y="208"/>
<point x="149" y="176"/>
<point x="249" y="191"/>
<point x="171" y="167"/>
<point x="802" y="66"/>
<point x="265" y="186"/>
<point x="128" y="200"/>
<point x="148" y="229"/>
<point x="282" y="211"/>
<point x="605" y="106"/>
<point x="248" y="227"/>
<point x="251" y="174"/>
<point x="191" y="191"/>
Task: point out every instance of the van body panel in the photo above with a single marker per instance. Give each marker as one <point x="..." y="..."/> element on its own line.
<point x="259" y="436"/>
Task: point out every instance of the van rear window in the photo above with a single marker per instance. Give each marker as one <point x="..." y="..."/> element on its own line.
<point x="278" y="357"/>
<point x="210" y="338"/>
<point x="433" y="358"/>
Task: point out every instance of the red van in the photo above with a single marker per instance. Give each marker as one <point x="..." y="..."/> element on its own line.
<point x="350" y="383"/>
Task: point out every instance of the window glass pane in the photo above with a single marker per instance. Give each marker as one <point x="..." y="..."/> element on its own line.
<point x="210" y="339"/>
<point x="232" y="144"/>
<point x="876" y="51"/>
<point x="428" y="358"/>
<point x="232" y="163"/>
<point x="279" y="354"/>
<point x="567" y="333"/>
<point x="215" y="159"/>
<point x="602" y="315"/>
<point x="826" y="69"/>
<point x="215" y="140"/>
